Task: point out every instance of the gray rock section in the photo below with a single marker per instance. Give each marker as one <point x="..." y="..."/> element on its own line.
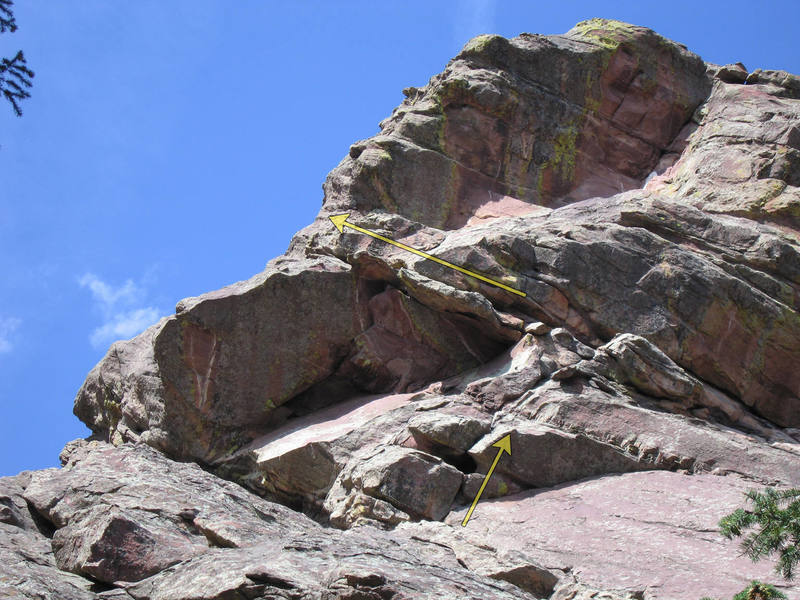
<point x="152" y="528"/>
<point x="125" y="513"/>
<point x="27" y="565"/>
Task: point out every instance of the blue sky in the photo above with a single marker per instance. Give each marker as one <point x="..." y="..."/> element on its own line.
<point x="171" y="148"/>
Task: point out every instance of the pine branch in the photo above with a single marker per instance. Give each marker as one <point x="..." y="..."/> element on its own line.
<point x="759" y="591"/>
<point x="788" y="561"/>
<point x="732" y="525"/>
<point x="15" y="76"/>
<point x="7" y="21"/>
<point x="775" y="519"/>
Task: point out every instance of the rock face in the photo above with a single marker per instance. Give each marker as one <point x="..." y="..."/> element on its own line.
<point x="320" y="430"/>
<point x="130" y="523"/>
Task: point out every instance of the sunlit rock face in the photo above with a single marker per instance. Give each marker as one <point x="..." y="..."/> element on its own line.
<point x="542" y="120"/>
<point x="343" y="406"/>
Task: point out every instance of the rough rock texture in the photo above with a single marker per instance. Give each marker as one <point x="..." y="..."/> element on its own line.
<point x="123" y="514"/>
<point x="341" y="407"/>
<point x="154" y="528"/>
<point x="27" y="566"/>
<point x="651" y="535"/>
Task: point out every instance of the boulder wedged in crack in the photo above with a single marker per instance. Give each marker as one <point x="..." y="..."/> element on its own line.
<point x="644" y="202"/>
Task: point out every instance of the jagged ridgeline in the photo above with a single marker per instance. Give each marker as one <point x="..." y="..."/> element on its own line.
<point x="343" y="406"/>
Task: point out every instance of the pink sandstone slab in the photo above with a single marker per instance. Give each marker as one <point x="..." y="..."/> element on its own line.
<point x="325" y="425"/>
<point x="654" y="532"/>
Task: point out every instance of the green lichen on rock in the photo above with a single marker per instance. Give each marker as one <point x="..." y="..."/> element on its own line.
<point x="565" y="150"/>
<point x="771" y="188"/>
<point x="113" y="414"/>
<point x="479" y="43"/>
<point x="605" y="32"/>
<point x="453" y="187"/>
<point x="378" y="185"/>
<point x="592" y="100"/>
<point x="450" y="90"/>
<point x="112" y="405"/>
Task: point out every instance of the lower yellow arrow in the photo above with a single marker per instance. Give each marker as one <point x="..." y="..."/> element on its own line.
<point x="503" y="445"/>
<point x="341" y="222"/>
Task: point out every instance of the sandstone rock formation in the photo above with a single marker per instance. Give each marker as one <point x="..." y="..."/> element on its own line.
<point x="319" y="430"/>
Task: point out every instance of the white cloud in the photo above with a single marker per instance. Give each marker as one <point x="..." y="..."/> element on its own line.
<point x="124" y="325"/>
<point x="121" y="309"/>
<point x="7" y="328"/>
<point x="106" y="295"/>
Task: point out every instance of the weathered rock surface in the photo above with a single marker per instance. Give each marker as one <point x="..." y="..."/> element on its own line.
<point x="532" y="120"/>
<point x="27" y="566"/>
<point x="28" y="570"/>
<point x="645" y="202"/>
<point x="299" y="461"/>
<point x="153" y="528"/>
<point x="649" y="533"/>
<point x="125" y="513"/>
<point x="362" y="564"/>
<point x="416" y="482"/>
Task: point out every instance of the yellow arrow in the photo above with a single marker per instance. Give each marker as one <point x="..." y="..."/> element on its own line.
<point x="341" y="222"/>
<point x="503" y="445"/>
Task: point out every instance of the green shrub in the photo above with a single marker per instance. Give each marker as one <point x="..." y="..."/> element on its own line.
<point x="775" y="524"/>
<point x="772" y="526"/>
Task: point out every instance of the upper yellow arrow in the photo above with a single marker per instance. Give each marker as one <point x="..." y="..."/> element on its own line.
<point x="503" y="445"/>
<point x="340" y="221"/>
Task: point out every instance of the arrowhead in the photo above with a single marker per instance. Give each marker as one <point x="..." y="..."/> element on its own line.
<point x="339" y="221"/>
<point x="504" y="443"/>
